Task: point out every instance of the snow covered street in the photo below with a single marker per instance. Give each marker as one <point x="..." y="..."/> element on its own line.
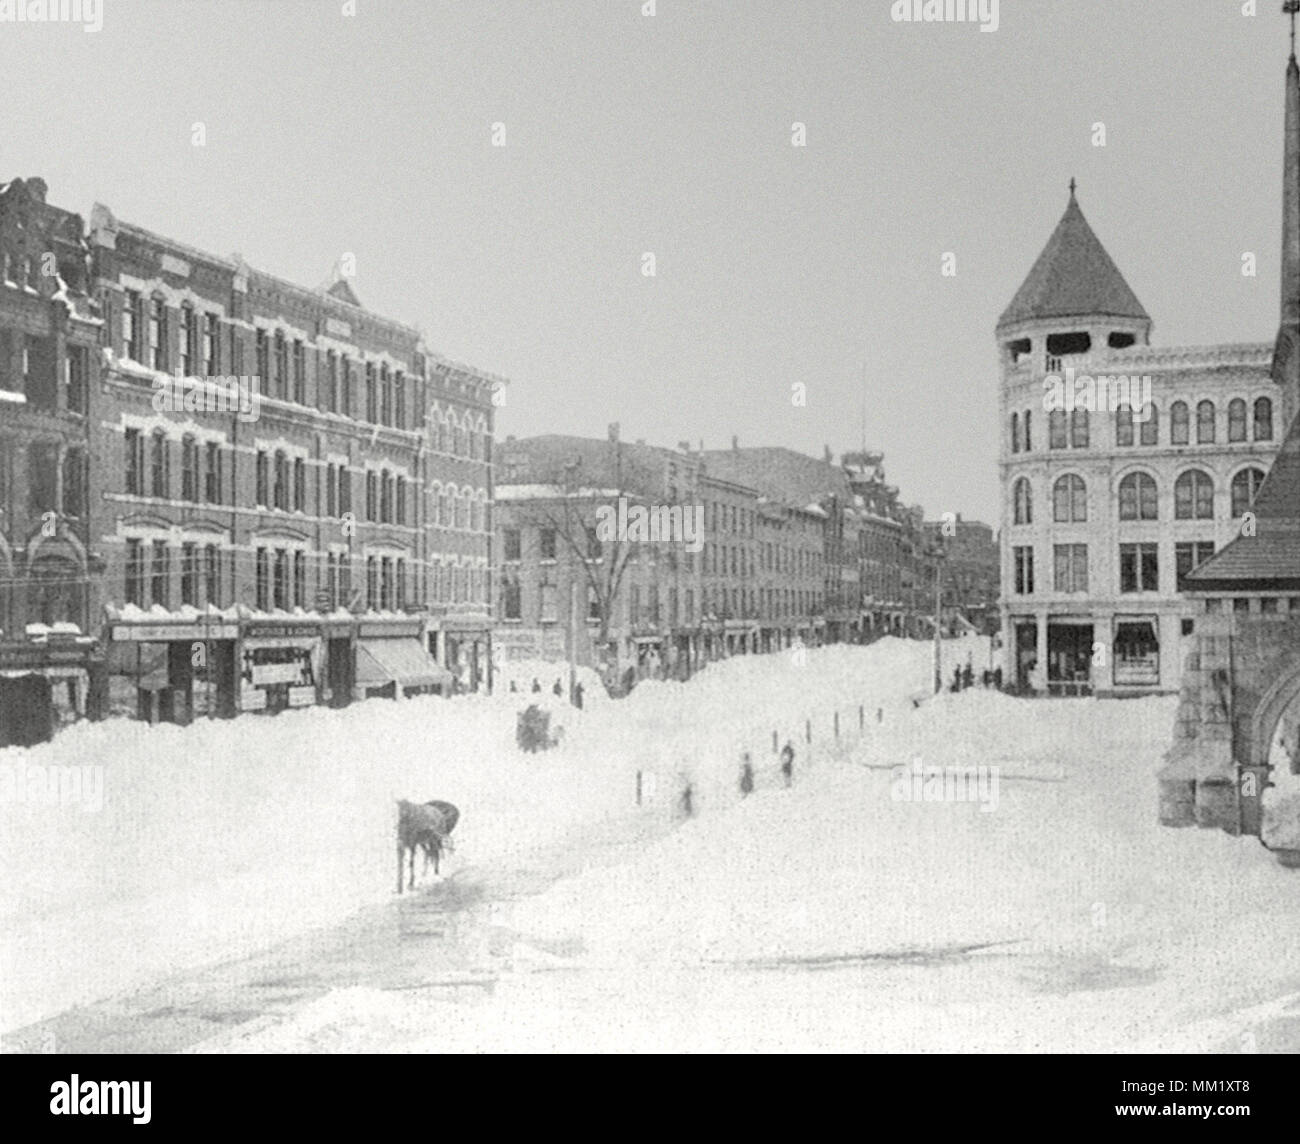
<point x="853" y="911"/>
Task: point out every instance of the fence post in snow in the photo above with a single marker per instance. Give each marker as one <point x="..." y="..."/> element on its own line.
<point x="807" y="730"/>
<point x="837" y="726"/>
<point x="638" y="788"/>
<point x="880" y="714"/>
<point x="862" y="717"/>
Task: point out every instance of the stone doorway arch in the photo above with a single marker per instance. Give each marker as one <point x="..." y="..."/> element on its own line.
<point x="1275" y="744"/>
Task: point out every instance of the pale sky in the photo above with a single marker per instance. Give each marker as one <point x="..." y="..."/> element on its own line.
<point x="372" y="134"/>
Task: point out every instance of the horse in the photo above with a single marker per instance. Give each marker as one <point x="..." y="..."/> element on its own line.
<point x="426" y="827"/>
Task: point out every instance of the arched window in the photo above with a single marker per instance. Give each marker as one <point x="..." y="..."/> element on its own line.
<point x="442" y="435"/>
<point x="1263" y="419"/>
<point x="1056" y="429"/>
<point x="1015" y="432"/>
<point x="1194" y="496"/>
<point x="1024" y="502"/>
<point x="1137" y="497"/>
<point x="1150" y="425"/>
<point x="1029" y="440"/>
<point x="1069" y="500"/>
<point x="1123" y="426"/>
<point x="1245" y="486"/>
<point x="1179" y="425"/>
<point x="1205" y="423"/>
<point x="1236" y="420"/>
<point x="1079" y="429"/>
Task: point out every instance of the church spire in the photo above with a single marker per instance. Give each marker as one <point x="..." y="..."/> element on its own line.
<point x="1286" y="354"/>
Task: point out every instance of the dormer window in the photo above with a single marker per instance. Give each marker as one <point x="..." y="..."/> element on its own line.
<point x="1120" y="341"/>
<point x="1063" y="345"/>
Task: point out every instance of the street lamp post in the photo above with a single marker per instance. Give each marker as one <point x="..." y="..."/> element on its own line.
<point x="938" y="615"/>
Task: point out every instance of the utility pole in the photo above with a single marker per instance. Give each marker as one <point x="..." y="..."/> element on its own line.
<point x="938" y="616"/>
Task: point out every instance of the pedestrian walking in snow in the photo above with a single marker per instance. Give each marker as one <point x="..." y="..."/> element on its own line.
<point x="558" y="688"/>
<point x="536" y="686"/>
<point x="967" y="675"/>
<point x="787" y="763"/>
<point x="577" y="696"/>
<point x="688" y="808"/>
<point x="746" y="776"/>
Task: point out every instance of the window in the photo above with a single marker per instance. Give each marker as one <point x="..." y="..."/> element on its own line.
<point x="1137" y="497"/>
<point x="280" y="580"/>
<point x="1071" y="567"/>
<point x="1194" y="496"/>
<point x="132" y="317"/>
<point x="511" y="603"/>
<point x="158" y="334"/>
<point x="189" y="468"/>
<point x="1139" y="568"/>
<point x="386" y="497"/>
<point x="134" y="443"/>
<point x="1136" y="652"/>
<point x="299" y="372"/>
<point x="212" y="574"/>
<point x="399" y="400"/>
<point x="189" y="340"/>
<point x="189" y="574"/>
<point x="77" y="369"/>
<point x="1029" y="440"/>
<point x="299" y="485"/>
<point x="211" y="344"/>
<point x="75" y="480"/>
<point x="345" y="490"/>
<point x="1188" y="554"/>
<point x="546" y="543"/>
<point x="263" y="478"/>
<point x="1056" y="429"/>
<point x="158" y="464"/>
<point x="372" y="495"/>
<point x="159" y="574"/>
<point x="1179" y="424"/>
<point x="385" y="395"/>
<point x="372" y="403"/>
<point x="1205" y="423"/>
<point x="331" y="491"/>
<point x="1123" y="426"/>
<point x="1263" y="419"/>
<point x="281" y="366"/>
<point x="299" y="579"/>
<point x="1023" y="502"/>
<point x="1245" y="487"/>
<point x="1070" y="500"/>
<point x="263" y="361"/>
<point x="331" y="381"/>
<point x="1024" y="563"/>
<point x="281" y="490"/>
<point x="263" y="580"/>
<point x="135" y="573"/>
<point x="1150" y="433"/>
<point x="212" y="473"/>
<point x="511" y="544"/>
<point x="1236" y="420"/>
<point x="547" y="596"/>
<point x="1079" y="429"/>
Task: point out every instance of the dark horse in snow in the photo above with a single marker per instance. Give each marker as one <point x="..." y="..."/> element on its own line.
<point x="423" y="826"/>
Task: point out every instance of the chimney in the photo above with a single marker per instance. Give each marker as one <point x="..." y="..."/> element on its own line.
<point x="735" y="442"/>
<point x="683" y="446"/>
<point x="613" y="430"/>
<point x="826" y="454"/>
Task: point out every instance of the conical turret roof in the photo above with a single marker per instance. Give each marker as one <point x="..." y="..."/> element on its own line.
<point x="1073" y="277"/>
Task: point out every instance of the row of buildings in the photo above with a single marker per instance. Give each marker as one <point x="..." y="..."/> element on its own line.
<point x="218" y="487"/>
<point x="759" y="549"/>
<point x="221" y="491"/>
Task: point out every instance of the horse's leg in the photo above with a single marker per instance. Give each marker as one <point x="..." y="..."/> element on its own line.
<point x="399" y="865"/>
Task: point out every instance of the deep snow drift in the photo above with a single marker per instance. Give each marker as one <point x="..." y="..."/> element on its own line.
<point x="831" y="915"/>
<point x="222" y="837"/>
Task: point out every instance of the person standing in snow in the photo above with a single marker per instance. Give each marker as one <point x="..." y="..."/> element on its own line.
<point x="536" y="686"/>
<point x="787" y="763"/>
<point x="687" y="800"/>
<point x="577" y="696"/>
<point x="558" y="689"/>
<point x="746" y="775"/>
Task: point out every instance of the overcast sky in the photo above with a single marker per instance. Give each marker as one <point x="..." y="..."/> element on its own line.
<point x="372" y="134"/>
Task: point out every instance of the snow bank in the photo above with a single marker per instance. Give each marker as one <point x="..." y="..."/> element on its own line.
<point x="226" y="836"/>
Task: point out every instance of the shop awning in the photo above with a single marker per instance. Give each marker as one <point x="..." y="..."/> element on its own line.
<point x="400" y="661"/>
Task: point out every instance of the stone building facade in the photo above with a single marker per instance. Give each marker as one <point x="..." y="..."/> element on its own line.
<point x="1112" y="492"/>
